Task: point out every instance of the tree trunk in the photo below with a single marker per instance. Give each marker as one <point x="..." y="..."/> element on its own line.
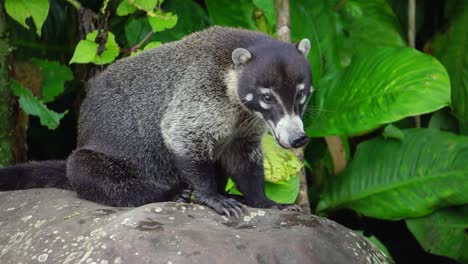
<point x="6" y="155"/>
<point x="283" y="31"/>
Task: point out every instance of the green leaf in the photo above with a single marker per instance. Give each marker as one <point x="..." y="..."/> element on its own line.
<point x="20" y="10"/>
<point x="369" y="24"/>
<point x="221" y="12"/>
<point x="87" y="50"/>
<point x="54" y="77"/>
<point x="285" y="193"/>
<point x="444" y="232"/>
<point x="381" y="85"/>
<point x="395" y="179"/>
<point x="147" y="5"/>
<point x="321" y="30"/>
<point x="281" y="169"/>
<point x="152" y="45"/>
<point x="280" y="164"/>
<point x="191" y="17"/>
<point x="126" y="8"/>
<point x="444" y="120"/>
<point x="391" y="131"/>
<point x="162" y="21"/>
<point x="33" y="106"/>
<point x="451" y="49"/>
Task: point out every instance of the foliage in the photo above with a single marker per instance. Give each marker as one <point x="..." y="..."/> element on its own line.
<point x="33" y="106"/>
<point x="443" y="232"/>
<point x="425" y="169"/>
<point x="368" y="86"/>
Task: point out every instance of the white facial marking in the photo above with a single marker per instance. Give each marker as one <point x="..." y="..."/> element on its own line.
<point x="264" y="105"/>
<point x="287" y="127"/>
<point x="300" y="86"/>
<point x="264" y="90"/>
<point x="249" y="97"/>
<point x="302" y="100"/>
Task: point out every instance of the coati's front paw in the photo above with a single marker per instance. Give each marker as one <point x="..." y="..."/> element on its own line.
<point x="287" y="207"/>
<point x="220" y="204"/>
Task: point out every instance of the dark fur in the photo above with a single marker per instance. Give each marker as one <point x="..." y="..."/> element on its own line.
<point x="122" y="159"/>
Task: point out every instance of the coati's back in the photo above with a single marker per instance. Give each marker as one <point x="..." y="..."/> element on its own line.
<point x="127" y="101"/>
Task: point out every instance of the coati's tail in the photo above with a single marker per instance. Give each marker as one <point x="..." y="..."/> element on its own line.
<point x="43" y="174"/>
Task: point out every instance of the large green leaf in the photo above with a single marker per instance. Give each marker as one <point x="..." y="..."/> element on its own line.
<point x="33" y="106"/>
<point x="54" y="77"/>
<point x="20" y="10"/>
<point x="381" y="85"/>
<point x="394" y="179"/>
<point x="444" y="232"/>
<point x="280" y="164"/>
<point x="451" y="49"/>
<point x="238" y="13"/>
<point x="321" y="29"/>
<point x="370" y="23"/>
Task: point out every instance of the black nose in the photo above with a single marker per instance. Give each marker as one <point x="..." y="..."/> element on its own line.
<point x="300" y="141"/>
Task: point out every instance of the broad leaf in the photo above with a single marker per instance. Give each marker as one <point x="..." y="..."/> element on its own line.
<point x="147" y="5"/>
<point x="395" y="179"/>
<point x="281" y="193"/>
<point x="126" y="8"/>
<point x="152" y="45"/>
<point x="321" y="30"/>
<point x="161" y="21"/>
<point x="443" y="232"/>
<point x="33" y="106"/>
<point x="280" y="165"/>
<point x="381" y="85"/>
<point x="451" y="49"/>
<point x="20" y="10"/>
<point x="370" y="23"/>
<point x="221" y="12"/>
<point x="54" y="77"/>
<point x="87" y="50"/>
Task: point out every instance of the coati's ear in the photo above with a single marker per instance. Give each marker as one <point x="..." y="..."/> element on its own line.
<point x="241" y="56"/>
<point x="303" y="46"/>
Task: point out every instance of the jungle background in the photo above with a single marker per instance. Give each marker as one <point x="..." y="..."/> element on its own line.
<point x="388" y="119"/>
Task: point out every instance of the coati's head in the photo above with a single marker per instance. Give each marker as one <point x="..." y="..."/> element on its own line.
<point x="273" y="80"/>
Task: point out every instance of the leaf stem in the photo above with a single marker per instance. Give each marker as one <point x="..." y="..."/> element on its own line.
<point x="138" y="45"/>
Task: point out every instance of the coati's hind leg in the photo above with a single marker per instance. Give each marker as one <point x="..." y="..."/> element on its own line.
<point x="107" y="180"/>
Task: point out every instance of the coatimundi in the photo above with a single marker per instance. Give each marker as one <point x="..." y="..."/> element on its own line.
<point x="184" y="116"/>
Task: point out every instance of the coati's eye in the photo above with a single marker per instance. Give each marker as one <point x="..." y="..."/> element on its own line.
<point x="300" y="94"/>
<point x="267" y="99"/>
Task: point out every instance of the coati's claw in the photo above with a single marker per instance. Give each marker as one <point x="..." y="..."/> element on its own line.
<point x="287" y="207"/>
<point x="221" y="204"/>
<point x="185" y="196"/>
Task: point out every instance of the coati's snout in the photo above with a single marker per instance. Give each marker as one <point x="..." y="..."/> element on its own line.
<point x="275" y="86"/>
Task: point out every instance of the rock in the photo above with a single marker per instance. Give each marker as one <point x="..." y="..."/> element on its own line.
<point x="54" y="226"/>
